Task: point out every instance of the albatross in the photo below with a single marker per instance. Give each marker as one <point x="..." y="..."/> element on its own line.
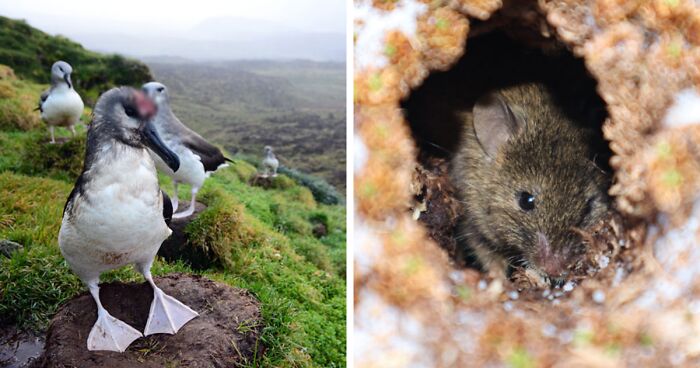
<point x="116" y="214"/>
<point x="270" y="163"/>
<point x="60" y="105"/>
<point x="198" y="158"/>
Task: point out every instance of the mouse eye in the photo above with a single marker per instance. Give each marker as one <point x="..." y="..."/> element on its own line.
<point x="526" y="201"/>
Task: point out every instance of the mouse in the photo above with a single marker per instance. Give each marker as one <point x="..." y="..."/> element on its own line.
<point x="525" y="172"/>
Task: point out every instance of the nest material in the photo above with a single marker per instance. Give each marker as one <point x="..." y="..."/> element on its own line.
<point x="638" y="305"/>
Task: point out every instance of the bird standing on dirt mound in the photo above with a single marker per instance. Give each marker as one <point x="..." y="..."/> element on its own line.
<point x="115" y="214"/>
<point x="270" y="163"/>
<point x="198" y="158"/>
<point x="60" y="105"/>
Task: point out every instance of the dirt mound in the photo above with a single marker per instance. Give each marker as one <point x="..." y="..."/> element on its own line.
<point x="226" y="333"/>
<point x="271" y="182"/>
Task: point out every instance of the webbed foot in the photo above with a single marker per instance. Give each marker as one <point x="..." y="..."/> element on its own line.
<point x="111" y="334"/>
<point x="167" y="314"/>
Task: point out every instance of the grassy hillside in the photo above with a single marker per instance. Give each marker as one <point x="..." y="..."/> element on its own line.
<point x="31" y="52"/>
<point x="262" y="240"/>
<point x="297" y="107"/>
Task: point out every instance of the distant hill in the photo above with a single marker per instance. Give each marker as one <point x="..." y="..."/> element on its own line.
<point x="31" y="52"/>
<point x="298" y="107"/>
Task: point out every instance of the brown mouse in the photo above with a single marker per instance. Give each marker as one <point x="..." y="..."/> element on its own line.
<point x="526" y="175"/>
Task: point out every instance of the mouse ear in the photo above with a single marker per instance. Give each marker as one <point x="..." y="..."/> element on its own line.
<point x="494" y="123"/>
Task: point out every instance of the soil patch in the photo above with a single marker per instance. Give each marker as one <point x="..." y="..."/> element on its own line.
<point x="270" y="182"/>
<point x="226" y="333"/>
<point x="436" y="206"/>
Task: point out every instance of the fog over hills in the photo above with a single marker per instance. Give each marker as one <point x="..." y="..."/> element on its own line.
<point x="202" y="31"/>
<point x="224" y="38"/>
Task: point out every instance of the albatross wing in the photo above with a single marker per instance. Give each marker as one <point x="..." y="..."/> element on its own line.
<point x="42" y="99"/>
<point x="210" y="155"/>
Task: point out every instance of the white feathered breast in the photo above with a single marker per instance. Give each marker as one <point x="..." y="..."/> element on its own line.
<point x="63" y="107"/>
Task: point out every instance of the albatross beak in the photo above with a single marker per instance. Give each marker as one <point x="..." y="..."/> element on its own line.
<point x="152" y="140"/>
<point x="147" y="110"/>
<point x="66" y="77"/>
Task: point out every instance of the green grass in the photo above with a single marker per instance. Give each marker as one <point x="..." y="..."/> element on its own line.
<point x="262" y="239"/>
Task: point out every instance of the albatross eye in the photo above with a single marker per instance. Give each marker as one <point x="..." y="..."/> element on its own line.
<point x="526" y="201"/>
<point x="130" y="111"/>
<point x="160" y="89"/>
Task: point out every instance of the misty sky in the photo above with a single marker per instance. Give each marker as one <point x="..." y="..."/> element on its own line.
<point x="143" y="22"/>
<point x="310" y="15"/>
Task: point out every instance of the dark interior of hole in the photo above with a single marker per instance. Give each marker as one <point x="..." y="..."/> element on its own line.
<point x="494" y="61"/>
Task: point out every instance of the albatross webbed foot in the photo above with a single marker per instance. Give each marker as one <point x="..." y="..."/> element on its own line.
<point x="167" y="314"/>
<point x="111" y="334"/>
<point x="108" y="333"/>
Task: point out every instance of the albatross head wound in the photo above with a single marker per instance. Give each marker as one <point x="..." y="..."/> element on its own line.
<point x="126" y="114"/>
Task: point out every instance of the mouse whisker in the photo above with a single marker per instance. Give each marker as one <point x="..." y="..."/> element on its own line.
<point x="443" y="149"/>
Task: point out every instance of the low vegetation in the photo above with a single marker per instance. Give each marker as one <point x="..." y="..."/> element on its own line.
<point x="18" y="99"/>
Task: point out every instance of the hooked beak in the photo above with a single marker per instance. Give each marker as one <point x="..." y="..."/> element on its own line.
<point x="66" y="77"/>
<point x="152" y="140"/>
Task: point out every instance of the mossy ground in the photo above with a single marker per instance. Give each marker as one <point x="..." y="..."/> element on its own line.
<point x="262" y="239"/>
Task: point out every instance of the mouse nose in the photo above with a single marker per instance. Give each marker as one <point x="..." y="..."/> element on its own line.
<point x="551" y="260"/>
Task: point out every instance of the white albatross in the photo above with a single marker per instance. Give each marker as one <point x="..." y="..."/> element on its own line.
<point x="60" y="105"/>
<point x="270" y="163"/>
